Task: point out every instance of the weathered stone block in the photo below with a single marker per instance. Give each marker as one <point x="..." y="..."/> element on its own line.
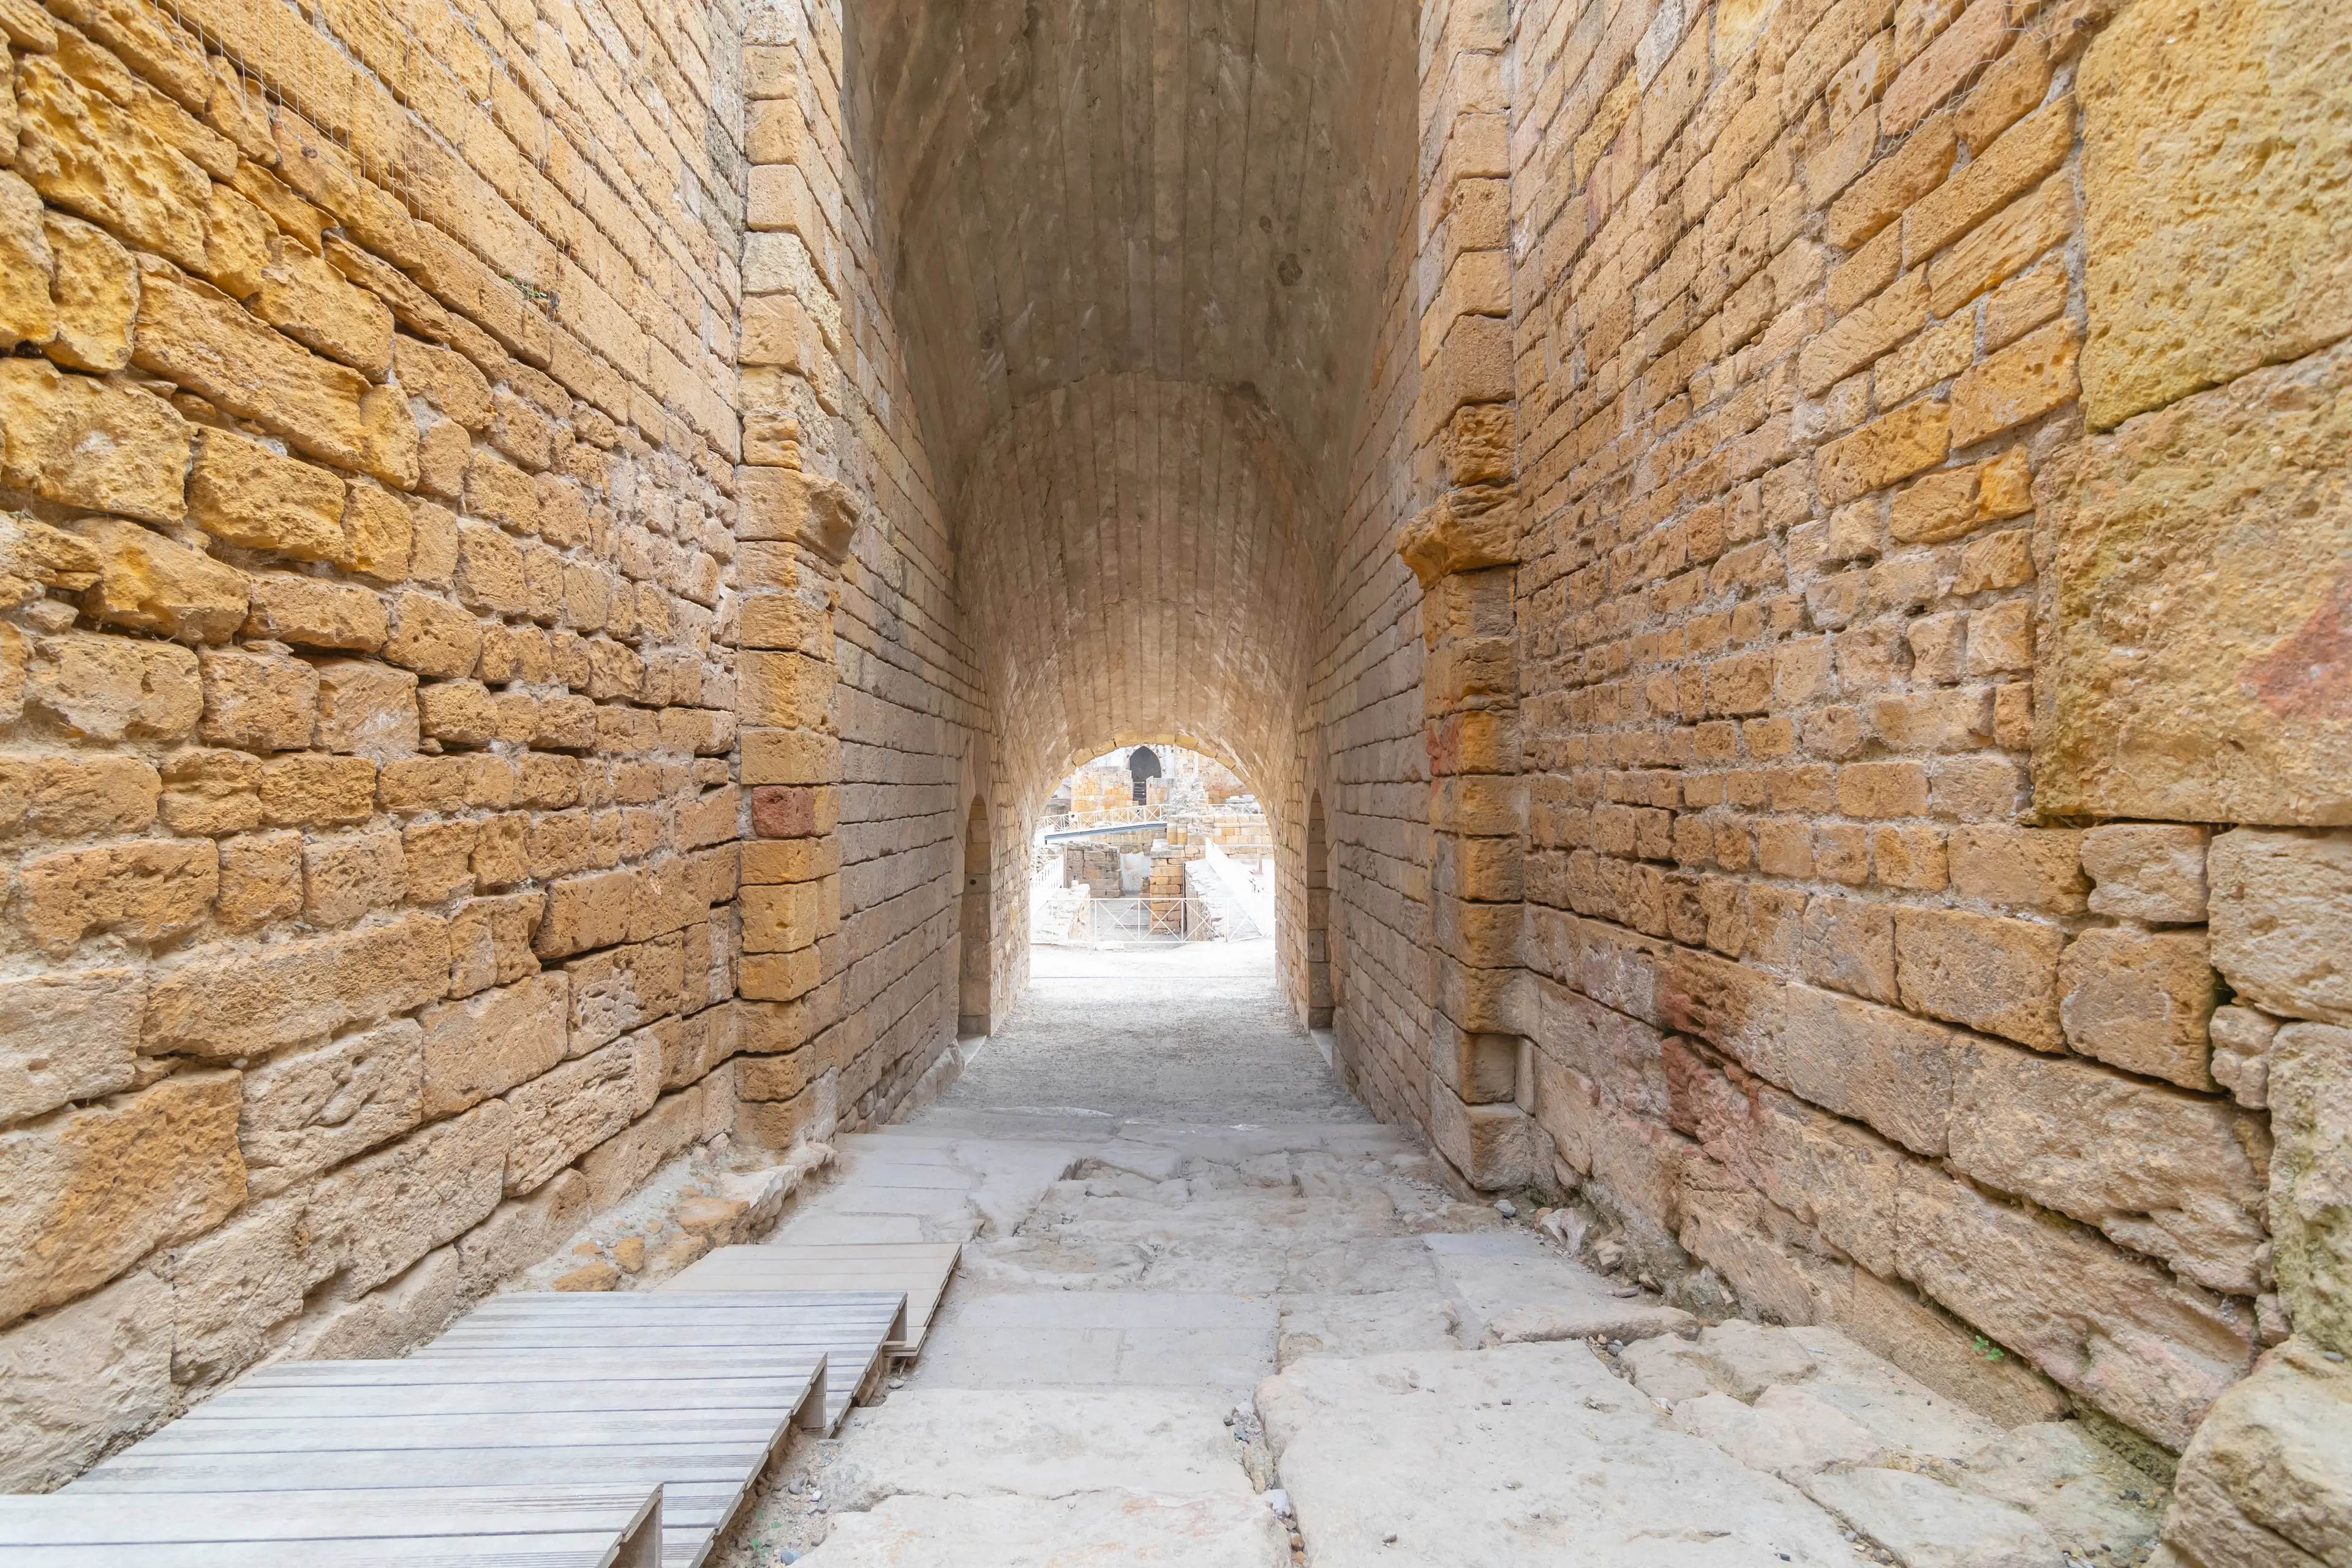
<point x="615" y="992"/>
<point x="2150" y="1351"/>
<point x="96" y="293"/>
<point x="95" y="1190"/>
<point x="521" y="1231"/>
<point x="83" y="442"/>
<point x="235" y="1003"/>
<point x="152" y="583"/>
<point x="1497" y="1148"/>
<point x="2310" y="1089"/>
<point x="75" y="1381"/>
<point x="1867" y="1062"/>
<point x="312" y="1109"/>
<point x="2140" y="1001"/>
<point x="310" y="612"/>
<point x="67" y="1036"/>
<point x="248" y="494"/>
<point x="2268" y="1476"/>
<point x="494" y="1040"/>
<point x="146" y="889"/>
<point x="377" y="1215"/>
<point x="2152" y="871"/>
<point x="2168" y="1174"/>
<point x="258" y="699"/>
<point x="1989" y="973"/>
<point x="209" y="343"/>
<point x="2224" y="509"/>
<point x="367" y="709"/>
<point x="351" y="875"/>
<point x="562" y="1114"/>
<point x="2281" y="905"/>
<point x="2217" y="236"/>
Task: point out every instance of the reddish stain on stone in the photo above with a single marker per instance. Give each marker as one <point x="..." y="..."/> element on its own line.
<point x="2309" y="675"/>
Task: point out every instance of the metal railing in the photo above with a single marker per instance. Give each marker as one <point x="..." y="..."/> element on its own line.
<point x="1101" y="816"/>
<point x="1150" y="919"/>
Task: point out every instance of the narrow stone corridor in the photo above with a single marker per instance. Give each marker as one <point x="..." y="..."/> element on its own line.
<point x="1210" y="1314"/>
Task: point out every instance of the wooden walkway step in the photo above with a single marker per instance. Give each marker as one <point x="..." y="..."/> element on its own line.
<point x="545" y="1526"/>
<point x="699" y="1423"/>
<point x="920" y="1269"/>
<point x="849" y="1328"/>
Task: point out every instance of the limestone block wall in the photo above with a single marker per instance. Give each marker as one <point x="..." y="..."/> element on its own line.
<point x="1917" y="481"/>
<point x="367" y="700"/>
<point x="1930" y="615"/>
<point x="865" y="744"/>
<point x="1365" y="735"/>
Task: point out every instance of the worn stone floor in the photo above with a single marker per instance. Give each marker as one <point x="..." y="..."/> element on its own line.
<point x="1210" y="1314"/>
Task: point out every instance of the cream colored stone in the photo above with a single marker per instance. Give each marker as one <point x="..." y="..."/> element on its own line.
<point x="382" y="1212"/>
<point x="2151" y="1351"/>
<point x="2280" y="904"/>
<point x="494" y="1040"/>
<point x="2148" y="871"/>
<point x="2140" y="1001"/>
<point x="1985" y="971"/>
<point x="2219" y="238"/>
<point x="75" y="1381"/>
<point x="2168" y="1174"/>
<point x="97" y="1189"/>
<point x="562" y="1114"/>
<point x="67" y="1036"/>
<point x="2310" y="1089"/>
<point x="2268" y="1476"/>
<point x="2225" y="510"/>
<point x="309" y="1109"/>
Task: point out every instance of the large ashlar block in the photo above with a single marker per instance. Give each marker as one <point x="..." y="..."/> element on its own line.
<point x="2203" y="594"/>
<point x="2268" y="1478"/>
<point x="1497" y="1148"/>
<point x="2281" y="905"/>
<point x="2149" y="1350"/>
<point x="71" y="1036"/>
<point x="72" y="1381"/>
<point x="240" y="1004"/>
<point x="2217" y="221"/>
<point x="92" y="1191"/>
<point x="2310" y="1089"/>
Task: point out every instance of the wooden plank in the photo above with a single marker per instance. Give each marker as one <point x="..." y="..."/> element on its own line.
<point x="783" y="1362"/>
<point x="586" y="1551"/>
<point x="920" y="1269"/>
<point x="488" y="1398"/>
<point x="736" y="1430"/>
<point x="67" y="1518"/>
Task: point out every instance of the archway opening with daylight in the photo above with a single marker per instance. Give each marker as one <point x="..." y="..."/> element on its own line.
<point x="1152" y="844"/>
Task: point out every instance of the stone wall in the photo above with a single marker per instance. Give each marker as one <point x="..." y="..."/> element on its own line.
<point x="861" y="697"/>
<point x="372" y="572"/>
<point x="1924" y="539"/>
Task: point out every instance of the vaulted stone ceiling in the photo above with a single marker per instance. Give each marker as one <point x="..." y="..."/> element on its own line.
<point x="1135" y="250"/>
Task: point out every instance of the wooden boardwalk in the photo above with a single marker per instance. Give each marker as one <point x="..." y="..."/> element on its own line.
<point x="847" y="1326"/>
<point x="691" y="1393"/>
<point x="467" y="1527"/>
<point x="919" y="1268"/>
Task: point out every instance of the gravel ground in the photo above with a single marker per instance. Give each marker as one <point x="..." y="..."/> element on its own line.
<point x="1191" y="1032"/>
